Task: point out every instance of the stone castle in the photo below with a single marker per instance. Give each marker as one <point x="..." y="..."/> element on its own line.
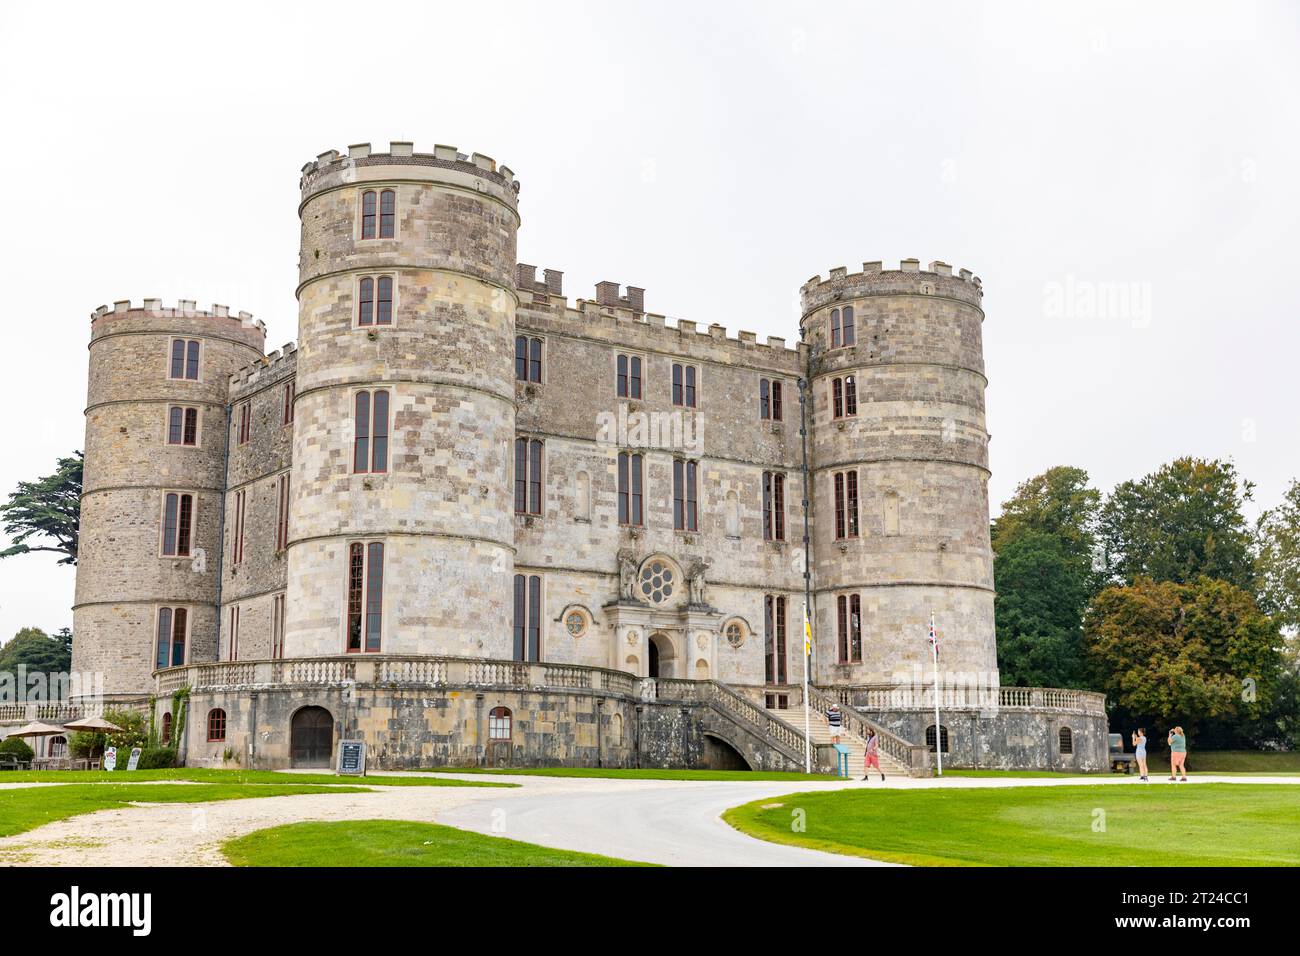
<point x="467" y="520"/>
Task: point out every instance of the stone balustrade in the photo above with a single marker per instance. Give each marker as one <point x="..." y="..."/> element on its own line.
<point x="892" y="697"/>
<point x="401" y="670"/>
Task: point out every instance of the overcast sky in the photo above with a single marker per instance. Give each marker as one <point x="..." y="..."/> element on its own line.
<point x="1122" y="176"/>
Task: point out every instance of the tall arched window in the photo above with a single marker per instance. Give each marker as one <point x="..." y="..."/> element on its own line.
<point x="773" y="506"/>
<point x="365" y="596"/>
<point x="686" y="513"/>
<point x="216" y="724"/>
<point x="178" y="524"/>
<point x="943" y="737"/>
<point x="167" y="728"/>
<point x="370" y="434"/>
<point x="848" y="609"/>
<point x="630" y="477"/>
<point x="528" y="476"/>
<point x="528" y="617"/>
<point x="774" y="639"/>
<point x="173" y="623"/>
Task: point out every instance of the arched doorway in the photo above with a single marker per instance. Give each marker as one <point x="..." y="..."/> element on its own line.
<point x="311" y="738"/>
<point x="660" y="656"/>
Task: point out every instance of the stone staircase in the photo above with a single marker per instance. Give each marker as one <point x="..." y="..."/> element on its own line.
<point x="820" y="731"/>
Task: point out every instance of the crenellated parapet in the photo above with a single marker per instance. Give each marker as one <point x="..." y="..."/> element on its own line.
<point x="183" y="309"/>
<point x="626" y="327"/>
<point x="446" y="164"/>
<point x="271" y="368"/>
<point x="909" y="278"/>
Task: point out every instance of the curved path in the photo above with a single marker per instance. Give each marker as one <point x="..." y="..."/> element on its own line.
<point x="669" y="822"/>
<point x="656" y="821"/>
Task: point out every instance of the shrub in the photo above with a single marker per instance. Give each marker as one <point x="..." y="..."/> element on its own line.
<point x="154" y="758"/>
<point x="134" y="733"/>
<point x="16" y="746"/>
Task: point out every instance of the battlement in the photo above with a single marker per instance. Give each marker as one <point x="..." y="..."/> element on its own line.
<point x="623" y="326"/>
<point x="184" y="308"/>
<point x="268" y="368"/>
<point x="875" y="279"/>
<point x="526" y="280"/>
<point x="607" y="294"/>
<point x="332" y="164"/>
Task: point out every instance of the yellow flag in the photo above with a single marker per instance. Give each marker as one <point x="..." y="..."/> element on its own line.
<point x="807" y="632"/>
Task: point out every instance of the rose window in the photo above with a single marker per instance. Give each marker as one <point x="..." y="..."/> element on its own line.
<point x="576" y="622"/>
<point x="735" y="635"/>
<point x="657" y="581"/>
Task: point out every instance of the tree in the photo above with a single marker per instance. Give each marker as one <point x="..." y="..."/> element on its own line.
<point x="38" y="651"/>
<point x="1043" y="545"/>
<point x="1042" y="590"/>
<point x="47" y="509"/>
<point x="1172" y="653"/>
<point x="1278" y="561"/>
<point x="1179" y="523"/>
<point x="1058" y="502"/>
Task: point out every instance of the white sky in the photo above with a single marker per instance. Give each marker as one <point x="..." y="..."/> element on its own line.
<point x="716" y="154"/>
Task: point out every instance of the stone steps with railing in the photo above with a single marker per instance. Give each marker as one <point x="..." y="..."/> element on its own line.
<point x="821" y="733"/>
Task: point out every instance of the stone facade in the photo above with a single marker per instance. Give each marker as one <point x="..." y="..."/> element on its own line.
<point x="476" y="375"/>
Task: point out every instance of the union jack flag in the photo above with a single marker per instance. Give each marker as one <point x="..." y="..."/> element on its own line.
<point x="934" y="637"/>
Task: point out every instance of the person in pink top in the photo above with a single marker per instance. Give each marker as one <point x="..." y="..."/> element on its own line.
<point x="872" y="756"/>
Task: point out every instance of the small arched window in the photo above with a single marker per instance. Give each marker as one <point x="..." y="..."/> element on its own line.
<point x="216" y="724"/>
<point x="366" y="302"/>
<point x="375" y="301"/>
<point x="943" y="738"/>
<point x="1066" y="737"/>
<point x="368" y="214"/>
<point x="387" y="210"/>
<point x="167" y="728"/>
<point x="499" y="723"/>
<point x="384" y="304"/>
<point x="379" y="209"/>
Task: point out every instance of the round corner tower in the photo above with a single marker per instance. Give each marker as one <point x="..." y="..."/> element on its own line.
<point x="401" y="532"/>
<point x="900" y="473"/>
<point x="153" y="485"/>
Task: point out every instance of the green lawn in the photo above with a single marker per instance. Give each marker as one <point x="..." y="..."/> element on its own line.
<point x="1151" y="825"/>
<point x="212" y="775"/>
<point x="26" y="808"/>
<point x="614" y="773"/>
<point x="1235" y="761"/>
<point x="394" y="843"/>
<point x="1013" y="773"/>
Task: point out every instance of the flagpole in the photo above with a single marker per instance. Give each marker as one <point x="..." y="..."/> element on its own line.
<point x="807" y="728"/>
<point x="938" y="727"/>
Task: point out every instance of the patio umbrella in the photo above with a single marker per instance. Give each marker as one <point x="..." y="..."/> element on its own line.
<point x="35" y="729"/>
<point x="93" y="724"/>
